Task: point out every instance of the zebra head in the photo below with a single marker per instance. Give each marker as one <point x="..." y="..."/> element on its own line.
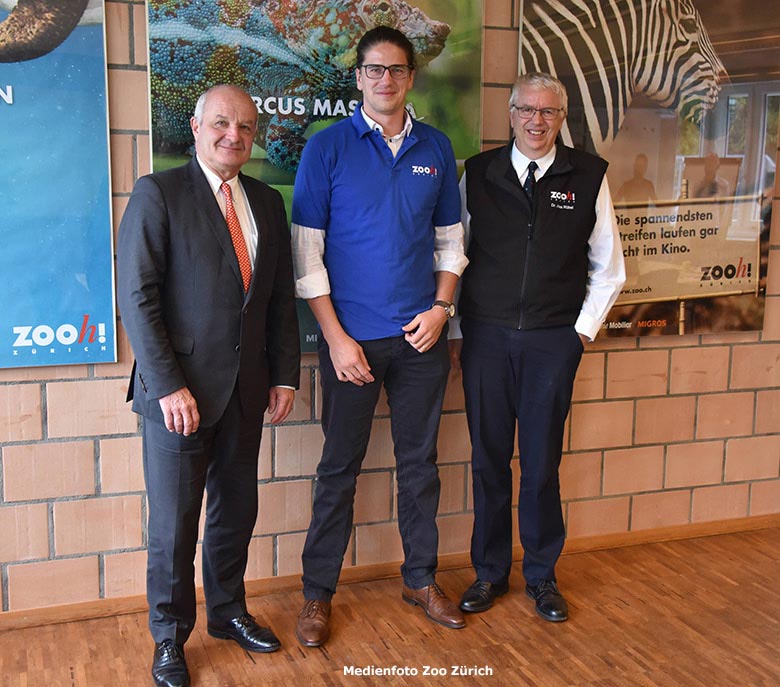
<point x="607" y="52"/>
<point x="677" y="66"/>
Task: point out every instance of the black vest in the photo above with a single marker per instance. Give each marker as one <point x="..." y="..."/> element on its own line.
<point x="528" y="271"/>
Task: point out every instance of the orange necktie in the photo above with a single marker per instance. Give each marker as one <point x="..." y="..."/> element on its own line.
<point x="239" y="245"/>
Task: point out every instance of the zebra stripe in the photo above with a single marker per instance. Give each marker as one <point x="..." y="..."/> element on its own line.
<point x="610" y="51"/>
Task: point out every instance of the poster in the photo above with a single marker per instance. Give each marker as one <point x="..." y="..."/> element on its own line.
<point x="296" y="59"/>
<point x="686" y="115"/>
<point x="56" y="294"/>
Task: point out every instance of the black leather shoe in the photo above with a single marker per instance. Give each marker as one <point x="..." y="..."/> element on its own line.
<point x="481" y="595"/>
<point x="169" y="669"/>
<point x="550" y="604"/>
<point x="247" y="633"/>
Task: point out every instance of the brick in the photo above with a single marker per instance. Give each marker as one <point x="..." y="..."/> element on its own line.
<point x="380" y="446"/>
<point x="720" y="503"/>
<point x="601" y="425"/>
<point x="125" y="574"/>
<point x="699" y="370"/>
<point x="128" y="100"/>
<point x="580" y="476"/>
<point x="378" y="543"/>
<point x="284" y="507"/>
<point x="690" y="465"/>
<point x="40" y="471"/>
<point x="771" y="330"/>
<point x="124" y="365"/>
<point x="498" y="13"/>
<point x="260" y="562"/>
<point x="453" y="488"/>
<point x="454" y="445"/>
<point x="455" y="533"/>
<point x="753" y="458"/>
<point x="100" y="524"/>
<point x="648" y="342"/>
<point x="20" y="413"/>
<point x="663" y="509"/>
<point x="38" y="374"/>
<point x="755" y="366"/>
<point x="121" y="465"/>
<point x="117" y="21"/>
<point x="633" y="470"/>
<point x="25" y="532"/>
<point x="768" y="411"/>
<point x="453" y="396"/>
<point x="728" y="338"/>
<point x="288" y="553"/>
<point x="89" y="408"/>
<point x="118" y="205"/>
<point x="495" y="113"/>
<point x="725" y="415"/>
<point x="597" y="517"/>
<point x="773" y="276"/>
<point x="298" y="449"/>
<point x="122" y="163"/>
<point x="139" y="35"/>
<point x="765" y="498"/>
<point x="663" y="420"/>
<point x="499" y="63"/>
<point x="265" y="456"/>
<point x="374" y="497"/>
<point x="637" y="373"/>
<point x="589" y="382"/>
<point x="53" y="583"/>
<point x="143" y="152"/>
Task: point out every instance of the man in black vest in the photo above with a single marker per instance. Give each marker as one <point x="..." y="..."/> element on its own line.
<point x="545" y="267"/>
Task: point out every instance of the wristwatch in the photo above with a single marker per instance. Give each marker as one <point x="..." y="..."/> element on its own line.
<point x="448" y="307"/>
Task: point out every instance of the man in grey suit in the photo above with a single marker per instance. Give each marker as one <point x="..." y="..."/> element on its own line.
<point x="205" y="289"/>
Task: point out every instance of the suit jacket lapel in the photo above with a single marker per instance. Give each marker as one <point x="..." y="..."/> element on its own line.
<point x="203" y="197"/>
<point x="258" y="209"/>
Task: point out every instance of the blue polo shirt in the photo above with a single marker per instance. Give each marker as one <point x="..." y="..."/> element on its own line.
<point x="378" y="213"/>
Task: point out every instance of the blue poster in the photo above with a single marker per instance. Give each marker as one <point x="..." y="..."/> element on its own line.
<point x="56" y="247"/>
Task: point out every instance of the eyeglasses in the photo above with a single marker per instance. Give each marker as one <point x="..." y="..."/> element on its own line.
<point x="526" y="111"/>
<point x="398" y="71"/>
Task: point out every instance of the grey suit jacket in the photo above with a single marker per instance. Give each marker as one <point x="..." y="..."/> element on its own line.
<point x="182" y="301"/>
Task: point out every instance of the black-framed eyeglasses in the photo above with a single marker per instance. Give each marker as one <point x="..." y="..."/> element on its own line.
<point x="397" y="71"/>
<point x="526" y="111"/>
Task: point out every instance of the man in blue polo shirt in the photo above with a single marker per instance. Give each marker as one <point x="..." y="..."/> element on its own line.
<point x="378" y="249"/>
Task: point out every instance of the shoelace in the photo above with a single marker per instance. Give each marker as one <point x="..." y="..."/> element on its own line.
<point x="169" y="650"/>
<point x="312" y="607"/>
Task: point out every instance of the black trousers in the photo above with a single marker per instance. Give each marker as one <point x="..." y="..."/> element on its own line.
<point x="223" y="459"/>
<point x="524" y="379"/>
<point x="415" y="384"/>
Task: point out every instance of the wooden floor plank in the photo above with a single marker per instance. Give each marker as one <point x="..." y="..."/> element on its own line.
<point x="689" y="613"/>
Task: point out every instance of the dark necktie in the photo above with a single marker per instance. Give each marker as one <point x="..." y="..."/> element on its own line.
<point x="530" y="181"/>
<point x="237" y="236"/>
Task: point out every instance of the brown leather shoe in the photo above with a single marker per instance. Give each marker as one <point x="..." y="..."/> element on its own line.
<point x="435" y="604"/>
<point x="312" y="628"/>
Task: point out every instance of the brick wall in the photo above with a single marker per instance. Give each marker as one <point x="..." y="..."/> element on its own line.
<point x="664" y="432"/>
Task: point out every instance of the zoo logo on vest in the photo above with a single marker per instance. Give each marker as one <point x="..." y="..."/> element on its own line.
<point x="563" y="200"/>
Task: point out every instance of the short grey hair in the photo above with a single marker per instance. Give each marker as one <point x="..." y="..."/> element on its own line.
<point x="540" y="81"/>
<point x="200" y="105"/>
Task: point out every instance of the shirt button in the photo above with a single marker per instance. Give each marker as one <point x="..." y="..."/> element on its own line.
<point x="238" y="348"/>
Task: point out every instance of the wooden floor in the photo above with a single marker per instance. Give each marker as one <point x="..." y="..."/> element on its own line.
<point x="698" y="612"/>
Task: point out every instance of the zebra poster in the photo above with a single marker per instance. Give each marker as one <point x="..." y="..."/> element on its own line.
<point x="655" y="87"/>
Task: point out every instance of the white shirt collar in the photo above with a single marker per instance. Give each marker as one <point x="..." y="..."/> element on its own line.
<point x="520" y="161"/>
<point x="214" y="181"/>
<point x="376" y="126"/>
